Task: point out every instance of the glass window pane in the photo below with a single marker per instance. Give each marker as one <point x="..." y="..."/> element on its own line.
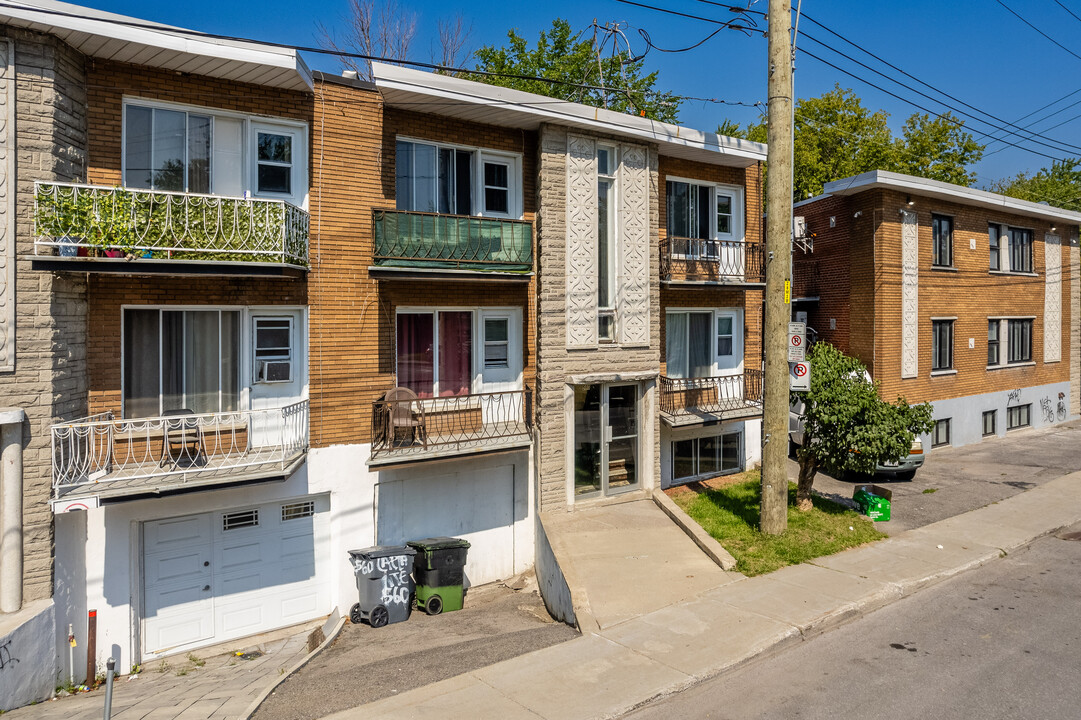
<point x="464" y="183"/>
<point x="603" y="162"/>
<point x="403" y="176"/>
<point x="416" y="352"/>
<point x="495" y="175"/>
<point x="623" y="410"/>
<point x="275" y="178"/>
<point x="275" y="148"/>
<point x="172" y="360"/>
<point x="622" y="462"/>
<point x="587" y="439"/>
<point x="678" y="206"/>
<point x="603" y="280"/>
<point x="730" y="456"/>
<point x="455" y="353"/>
<point x="675" y="328"/>
<point x="424" y="178"/>
<point x="202" y="361"/>
<point x="683" y="459"/>
<point x="137" y="141"/>
<point x="495" y="329"/>
<point x="141" y="363"/>
<point x="198" y="154"/>
<point x="496" y="355"/>
<point x="704" y="231"/>
<point x="700" y="357"/>
<point x="709" y="455"/>
<point x="496" y="200"/>
<point x="724" y="214"/>
<point x="724" y="336"/>
<point x="168" y="150"/>
<point x="230" y="360"/>
<point x="447" y="176"/>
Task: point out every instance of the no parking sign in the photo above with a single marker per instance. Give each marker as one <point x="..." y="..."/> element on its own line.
<point x="799" y="376"/>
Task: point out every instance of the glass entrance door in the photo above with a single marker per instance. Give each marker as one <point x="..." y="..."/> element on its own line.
<point x="605" y="439"/>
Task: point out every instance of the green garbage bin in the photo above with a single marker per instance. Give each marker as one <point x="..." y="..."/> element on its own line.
<point x="439" y="571"/>
<point x="873" y="501"/>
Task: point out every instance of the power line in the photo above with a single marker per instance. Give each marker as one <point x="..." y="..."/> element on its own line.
<point x="865" y="81"/>
<point x="1056" y="42"/>
<point x="1068" y="10"/>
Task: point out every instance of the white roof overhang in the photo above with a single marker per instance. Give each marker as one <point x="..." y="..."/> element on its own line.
<point x="493" y="105"/>
<point x="881" y="179"/>
<point x="124" y="39"/>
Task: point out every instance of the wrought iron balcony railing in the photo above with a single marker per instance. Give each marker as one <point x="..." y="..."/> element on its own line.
<point x="727" y="394"/>
<point x="90" y="220"/>
<point x="461" y="242"/>
<point x="713" y="261"/>
<point x="139" y="454"/>
<point x="405" y="426"/>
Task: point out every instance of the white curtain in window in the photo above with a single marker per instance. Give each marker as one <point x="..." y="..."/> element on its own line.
<point x="676" y="344"/>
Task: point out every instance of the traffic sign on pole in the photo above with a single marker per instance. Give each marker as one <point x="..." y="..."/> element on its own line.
<point x="799" y="376"/>
<point x="797" y="342"/>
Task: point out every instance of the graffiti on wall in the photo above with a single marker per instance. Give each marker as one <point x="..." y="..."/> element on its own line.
<point x="1015" y="396"/>
<point x="6" y="660"/>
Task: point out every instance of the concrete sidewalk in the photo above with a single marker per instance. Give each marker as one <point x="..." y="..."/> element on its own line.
<point x="616" y="668"/>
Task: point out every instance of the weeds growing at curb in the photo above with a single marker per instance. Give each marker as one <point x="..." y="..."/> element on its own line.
<point x="928" y="491"/>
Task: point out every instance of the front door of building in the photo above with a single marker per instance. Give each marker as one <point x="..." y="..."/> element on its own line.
<point x="605" y="440"/>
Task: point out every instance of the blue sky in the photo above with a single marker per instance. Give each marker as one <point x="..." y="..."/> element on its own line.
<point x="975" y="50"/>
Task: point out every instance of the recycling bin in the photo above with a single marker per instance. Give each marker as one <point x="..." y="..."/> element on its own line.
<point x="384" y="583"/>
<point x="873" y="501"/>
<point x="438" y="568"/>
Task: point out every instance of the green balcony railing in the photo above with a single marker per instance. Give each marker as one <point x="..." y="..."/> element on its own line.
<point x="73" y="220"/>
<point x="461" y="242"/>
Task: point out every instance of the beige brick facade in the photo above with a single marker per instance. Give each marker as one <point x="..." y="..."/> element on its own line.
<point x="49" y="379"/>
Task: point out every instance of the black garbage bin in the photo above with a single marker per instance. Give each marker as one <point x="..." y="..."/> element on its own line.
<point x="384" y="583"/>
<point x="439" y="567"/>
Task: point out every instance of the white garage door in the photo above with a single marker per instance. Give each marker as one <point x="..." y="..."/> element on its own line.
<point x="477" y="506"/>
<point x="218" y="576"/>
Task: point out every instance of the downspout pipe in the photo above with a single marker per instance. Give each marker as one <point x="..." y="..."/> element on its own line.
<point x="11" y="509"/>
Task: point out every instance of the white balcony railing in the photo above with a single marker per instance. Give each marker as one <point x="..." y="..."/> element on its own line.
<point x="138" y="453"/>
<point x="79" y="220"/>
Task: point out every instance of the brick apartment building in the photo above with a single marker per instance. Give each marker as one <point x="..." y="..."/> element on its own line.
<point x="252" y="317"/>
<point x="960" y="297"/>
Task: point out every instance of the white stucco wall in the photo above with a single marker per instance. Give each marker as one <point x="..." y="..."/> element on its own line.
<point x="28" y="666"/>
<point x="98" y="552"/>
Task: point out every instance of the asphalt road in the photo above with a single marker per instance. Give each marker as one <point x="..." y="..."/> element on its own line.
<point x="956" y="480"/>
<point x="996" y="643"/>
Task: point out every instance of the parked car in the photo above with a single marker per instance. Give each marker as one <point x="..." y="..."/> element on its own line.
<point x="905" y="469"/>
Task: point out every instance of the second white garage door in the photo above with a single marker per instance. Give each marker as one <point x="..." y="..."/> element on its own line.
<point x="219" y="576"/>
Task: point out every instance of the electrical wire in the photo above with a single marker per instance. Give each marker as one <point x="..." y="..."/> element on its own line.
<point x="1053" y="40"/>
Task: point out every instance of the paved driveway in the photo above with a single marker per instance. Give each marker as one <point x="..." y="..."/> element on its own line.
<point x="956" y="480"/>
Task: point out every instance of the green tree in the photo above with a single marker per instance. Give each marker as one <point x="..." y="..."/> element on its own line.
<point x="837" y="137"/>
<point x="846" y="424"/>
<point x="1059" y="185"/>
<point x="571" y="61"/>
<point x="938" y="149"/>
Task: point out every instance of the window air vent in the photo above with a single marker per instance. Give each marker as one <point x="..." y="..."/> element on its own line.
<point x="242" y="519"/>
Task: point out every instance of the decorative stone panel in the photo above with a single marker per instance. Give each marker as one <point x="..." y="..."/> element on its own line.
<point x="910" y="290"/>
<point x="7" y="205"/>
<point x="1052" y="299"/>
<point x="633" y="299"/>
<point x="581" y="255"/>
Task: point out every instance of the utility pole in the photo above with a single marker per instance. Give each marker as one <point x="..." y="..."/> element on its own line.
<point x="774" y="514"/>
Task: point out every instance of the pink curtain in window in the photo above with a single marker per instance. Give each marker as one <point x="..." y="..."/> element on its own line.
<point x="416" y="357"/>
<point x="455" y="353"/>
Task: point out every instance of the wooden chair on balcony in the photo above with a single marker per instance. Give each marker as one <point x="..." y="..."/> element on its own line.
<point x="182" y="440"/>
<point x="400" y="415"/>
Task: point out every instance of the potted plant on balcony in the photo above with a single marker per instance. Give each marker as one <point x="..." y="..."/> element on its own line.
<point x="102" y="221"/>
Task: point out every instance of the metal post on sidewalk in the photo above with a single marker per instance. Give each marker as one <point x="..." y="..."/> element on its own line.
<point x="110" y="665"/>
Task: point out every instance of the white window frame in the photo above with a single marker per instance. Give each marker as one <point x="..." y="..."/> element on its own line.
<point x="480" y="155"/>
<point x="715" y="315"/>
<point x="1004" y="341"/>
<point x="606" y="307"/>
<point x="479" y="314"/>
<point x="1005" y="265"/>
<point x="738" y="214"/>
<point x="484" y="342"/>
<point x="697" y="440"/>
<point x="299" y="196"/>
<point x="287" y="357"/>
